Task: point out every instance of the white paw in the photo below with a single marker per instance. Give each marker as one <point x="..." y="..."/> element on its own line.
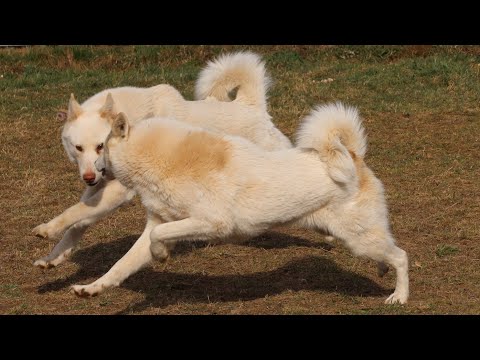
<point x="329" y="239"/>
<point x="159" y="251"/>
<point x="46" y="231"/>
<point x="43" y="264"/>
<point x="87" y="290"/>
<point x="47" y="263"/>
<point x="41" y="231"/>
<point x="396" y="298"/>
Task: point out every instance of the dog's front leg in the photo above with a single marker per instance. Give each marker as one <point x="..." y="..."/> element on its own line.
<point x="166" y="235"/>
<point x="136" y="258"/>
<point x="95" y="204"/>
<point x="156" y="239"/>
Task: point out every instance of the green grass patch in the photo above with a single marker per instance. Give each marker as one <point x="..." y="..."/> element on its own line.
<point x="446" y="250"/>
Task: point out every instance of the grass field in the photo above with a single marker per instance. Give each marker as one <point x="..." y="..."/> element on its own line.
<point x="421" y="109"/>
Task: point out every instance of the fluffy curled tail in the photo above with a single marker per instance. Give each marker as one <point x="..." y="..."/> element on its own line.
<point x="336" y="132"/>
<point x="243" y="72"/>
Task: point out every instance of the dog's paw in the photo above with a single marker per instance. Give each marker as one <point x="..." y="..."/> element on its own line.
<point x="397" y="298"/>
<point x="329" y="239"/>
<point x="159" y="251"/>
<point x="41" y="231"/>
<point x="87" y="290"/>
<point x="46" y="231"/>
<point x="382" y="269"/>
<point x="43" y="264"/>
<point x="47" y="262"/>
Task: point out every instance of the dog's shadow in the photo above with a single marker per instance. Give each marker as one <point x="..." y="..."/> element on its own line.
<point x="270" y="240"/>
<point x="163" y="288"/>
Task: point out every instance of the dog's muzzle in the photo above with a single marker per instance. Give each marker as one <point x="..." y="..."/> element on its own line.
<point x="91" y="183"/>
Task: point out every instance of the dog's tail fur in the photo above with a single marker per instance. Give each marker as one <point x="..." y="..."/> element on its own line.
<point x="336" y="132"/>
<point x="243" y="72"/>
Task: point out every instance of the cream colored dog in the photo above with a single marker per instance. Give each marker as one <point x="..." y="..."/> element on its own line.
<point x="88" y="125"/>
<point x="199" y="185"/>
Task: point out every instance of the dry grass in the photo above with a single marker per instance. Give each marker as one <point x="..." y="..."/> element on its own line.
<point x="421" y="112"/>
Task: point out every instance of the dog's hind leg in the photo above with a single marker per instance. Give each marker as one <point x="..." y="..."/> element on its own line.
<point x="370" y="239"/>
<point x="399" y="260"/>
<point x="136" y="258"/>
<point x="95" y="204"/>
<point x="378" y="245"/>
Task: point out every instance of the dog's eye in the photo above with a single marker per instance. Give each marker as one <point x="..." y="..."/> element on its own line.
<point x="79" y="148"/>
<point x="99" y="147"/>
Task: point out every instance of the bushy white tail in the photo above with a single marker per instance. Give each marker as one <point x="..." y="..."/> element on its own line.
<point x="241" y="71"/>
<point x="336" y="132"/>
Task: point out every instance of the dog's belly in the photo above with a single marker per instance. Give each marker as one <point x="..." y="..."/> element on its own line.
<point x="283" y="196"/>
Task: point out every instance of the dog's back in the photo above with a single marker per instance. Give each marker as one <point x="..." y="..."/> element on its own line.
<point x="247" y="116"/>
<point x="224" y="176"/>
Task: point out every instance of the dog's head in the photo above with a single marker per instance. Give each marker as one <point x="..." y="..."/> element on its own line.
<point x="118" y="135"/>
<point x="84" y="136"/>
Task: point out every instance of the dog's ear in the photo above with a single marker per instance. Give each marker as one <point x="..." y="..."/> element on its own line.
<point x="62" y="115"/>
<point x="120" y="126"/>
<point x="108" y="109"/>
<point x="74" y="109"/>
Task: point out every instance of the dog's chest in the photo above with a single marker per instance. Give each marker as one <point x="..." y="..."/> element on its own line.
<point x="162" y="205"/>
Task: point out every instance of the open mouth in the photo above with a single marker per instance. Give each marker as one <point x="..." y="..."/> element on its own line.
<point x="92" y="184"/>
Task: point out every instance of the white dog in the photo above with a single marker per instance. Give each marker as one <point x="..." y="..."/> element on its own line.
<point x="200" y="185"/>
<point x="88" y="125"/>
